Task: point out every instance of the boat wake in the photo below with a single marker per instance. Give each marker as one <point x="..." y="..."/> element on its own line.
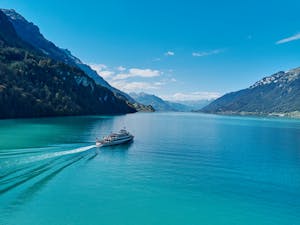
<point x="36" y="158"/>
<point x="57" y="154"/>
<point x="16" y="172"/>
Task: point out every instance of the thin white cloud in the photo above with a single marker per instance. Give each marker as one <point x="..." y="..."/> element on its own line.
<point x="135" y="72"/>
<point x="119" y="77"/>
<point x="102" y="71"/>
<point x="170" y="53"/>
<point x="122" y="76"/>
<point x="159" y="83"/>
<point x="121" y="68"/>
<point x="144" y="72"/>
<point x="201" y="54"/>
<point x="106" y="73"/>
<point x="134" y="86"/>
<point x="193" y="96"/>
<point x="289" y="39"/>
<point x="98" y="67"/>
<point x="168" y="80"/>
<point x="122" y="72"/>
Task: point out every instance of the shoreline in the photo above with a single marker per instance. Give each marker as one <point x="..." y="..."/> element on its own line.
<point x="291" y="115"/>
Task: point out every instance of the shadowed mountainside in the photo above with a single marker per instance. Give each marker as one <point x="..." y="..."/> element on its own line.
<point x="34" y="85"/>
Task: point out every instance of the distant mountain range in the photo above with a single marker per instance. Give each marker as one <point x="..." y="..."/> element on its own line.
<point x="162" y="105"/>
<point x="147" y="99"/>
<point x="278" y="94"/>
<point x="194" y="105"/>
<point x="31" y="34"/>
<point x="33" y="84"/>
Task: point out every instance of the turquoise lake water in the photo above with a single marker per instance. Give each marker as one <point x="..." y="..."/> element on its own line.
<point x="182" y="168"/>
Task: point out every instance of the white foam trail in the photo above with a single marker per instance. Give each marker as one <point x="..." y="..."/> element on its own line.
<point x="48" y="156"/>
<point x="56" y="154"/>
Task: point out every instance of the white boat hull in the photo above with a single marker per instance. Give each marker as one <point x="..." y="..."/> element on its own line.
<point x="115" y="142"/>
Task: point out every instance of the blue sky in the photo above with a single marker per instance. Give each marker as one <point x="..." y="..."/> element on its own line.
<point x="175" y="49"/>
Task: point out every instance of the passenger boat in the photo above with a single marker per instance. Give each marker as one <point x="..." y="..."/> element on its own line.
<point x="123" y="136"/>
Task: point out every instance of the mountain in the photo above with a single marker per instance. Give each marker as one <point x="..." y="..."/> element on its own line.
<point x="33" y="84"/>
<point x="157" y="103"/>
<point x="8" y="35"/>
<point x="178" y="107"/>
<point x="147" y="99"/>
<point x="195" y="104"/>
<point x="278" y="94"/>
<point x="31" y="34"/>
